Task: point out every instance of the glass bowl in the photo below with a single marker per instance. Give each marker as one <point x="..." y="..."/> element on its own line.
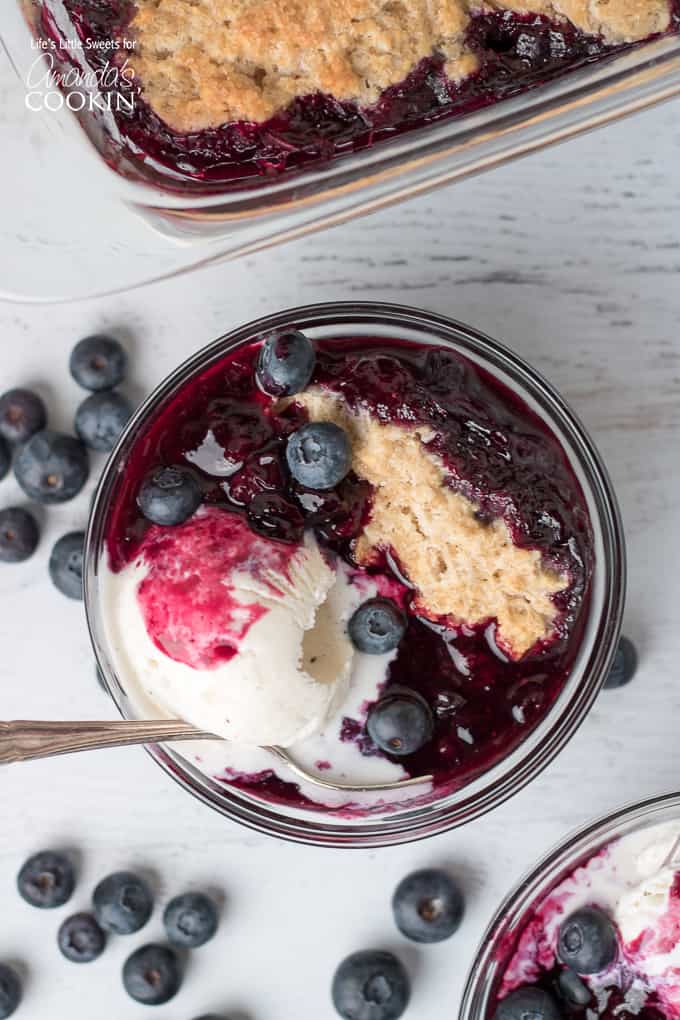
<point x="603" y="612"/>
<point x="500" y="939"/>
<point x="165" y="234"/>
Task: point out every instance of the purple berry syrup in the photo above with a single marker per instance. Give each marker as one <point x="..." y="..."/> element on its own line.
<point x="517" y="52"/>
<point x="499" y="455"/>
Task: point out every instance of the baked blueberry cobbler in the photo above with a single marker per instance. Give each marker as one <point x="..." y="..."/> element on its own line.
<point x="367" y="551"/>
<point x="234" y="89"/>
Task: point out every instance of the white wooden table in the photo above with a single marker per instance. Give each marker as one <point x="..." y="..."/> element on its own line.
<point x="573" y="258"/>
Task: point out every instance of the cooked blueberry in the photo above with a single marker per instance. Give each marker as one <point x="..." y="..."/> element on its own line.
<point x="400" y="722"/>
<point x="19" y="535"/>
<point x="190" y="920"/>
<point x="10" y="991"/>
<point x="371" y="985"/>
<point x="5" y="458"/>
<point x="624" y="666"/>
<point x="377" y="626"/>
<point x="587" y="941"/>
<point x="80" y="938"/>
<point x="122" y="903"/>
<point x="319" y="455"/>
<point x="169" y="495"/>
<point x="427" y="906"/>
<point x="573" y="989"/>
<point x="270" y="514"/>
<point x="151" y="975"/>
<point x="66" y="564"/>
<point x="98" y="363"/>
<point x="22" y="414"/>
<point x="46" y="880"/>
<point x="51" y="467"/>
<point x="528" y="1003"/>
<point x="285" y="364"/>
<point x="101" y="418"/>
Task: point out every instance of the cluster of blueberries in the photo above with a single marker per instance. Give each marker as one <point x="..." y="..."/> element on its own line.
<point x="587" y="943"/>
<point x="122" y="904"/>
<point x="319" y="456"/>
<point x="427" y="905"/>
<point x="52" y="467"/>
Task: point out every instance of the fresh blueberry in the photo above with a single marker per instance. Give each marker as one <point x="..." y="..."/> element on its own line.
<point x="377" y="626"/>
<point x="285" y="364"/>
<point x="51" y="467"/>
<point x="427" y="906"/>
<point x="66" y="564"/>
<point x="46" y="880"/>
<point x="101" y="418"/>
<point x="530" y="1003"/>
<point x="190" y="920"/>
<point x="151" y="975"/>
<point x="401" y="722"/>
<point x="19" y="535"/>
<point x="371" y="985"/>
<point x="22" y="414"/>
<point x="169" y="495"/>
<point x="573" y="989"/>
<point x="319" y="455"/>
<point x="98" y="363"/>
<point x="5" y="458"/>
<point x="80" y="939"/>
<point x="10" y="991"/>
<point x="624" y="666"/>
<point x="587" y="941"/>
<point x="122" y="903"/>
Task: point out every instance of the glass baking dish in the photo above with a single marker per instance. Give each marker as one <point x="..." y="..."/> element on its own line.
<point x="191" y="229"/>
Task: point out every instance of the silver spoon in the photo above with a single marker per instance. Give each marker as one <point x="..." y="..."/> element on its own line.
<point x="26" y="740"/>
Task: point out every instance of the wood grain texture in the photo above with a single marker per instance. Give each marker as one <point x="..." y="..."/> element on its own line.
<point x="573" y="259"/>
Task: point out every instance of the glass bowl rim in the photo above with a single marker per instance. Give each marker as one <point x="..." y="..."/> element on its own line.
<point x="537" y="882"/>
<point x="546" y="740"/>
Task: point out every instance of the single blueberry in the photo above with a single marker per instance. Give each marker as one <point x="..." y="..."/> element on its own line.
<point x="587" y="941"/>
<point x="400" y="722"/>
<point x="66" y="564"/>
<point x="427" y="906"/>
<point x="80" y="938"/>
<point x="5" y="458"/>
<point x="151" y="975"/>
<point x="285" y="364"/>
<point x="101" y="418"/>
<point x="98" y="363"/>
<point x="10" y="991"/>
<point x="51" y="467"/>
<point x="371" y="985"/>
<point x="530" y="1003"/>
<point x="19" y="535"/>
<point x="169" y="495"/>
<point x="624" y="666"/>
<point x="22" y="414"/>
<point x="377" y="626"/>
<point x="122" y="903"/>
<point x="319" y="455"/>
<point x="46" y="880"/>
<point x="572" y="989"/>
<point x="190" y="920"/>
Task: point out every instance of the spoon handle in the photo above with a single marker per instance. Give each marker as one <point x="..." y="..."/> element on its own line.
<point x="24" y="740"/>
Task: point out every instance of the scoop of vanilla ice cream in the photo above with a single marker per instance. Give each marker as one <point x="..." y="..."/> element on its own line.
<point x="291" y="667"/>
